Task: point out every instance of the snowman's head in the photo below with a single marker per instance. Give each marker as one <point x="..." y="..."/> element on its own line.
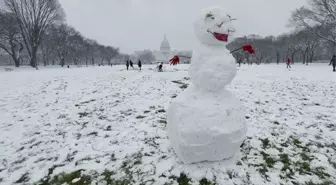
<point x="214" y="27"/>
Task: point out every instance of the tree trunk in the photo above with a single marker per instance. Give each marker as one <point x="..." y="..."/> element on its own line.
<point x="311" y="57"/>
<point x="33" y="58"/>
<point x="17" y="62"/>
<point x="62" y="62"/>
<point x="292" y="57"/>
<point x="45" y="61"/>
<point x="278" y="58"/>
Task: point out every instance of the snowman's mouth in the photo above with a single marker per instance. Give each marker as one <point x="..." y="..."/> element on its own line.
<point x="221" y="36"/>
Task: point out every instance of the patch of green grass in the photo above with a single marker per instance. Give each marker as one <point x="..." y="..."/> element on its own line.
<point x="110" y="181"/>
<point x="177" y="82"/>
<point x="205" y="181"/>
<point x="285" y="161"/>
<point x="184" y="86"/>
<point x="162" y="121"/>
<point x="265" y="143"/>
<point x="305" y="157"/>
<point x="92" y="134"/>
<point x="268" y="160"/>
<point x="140" y="117"/>
<point x="263" y="172"/>
<point x="276" y="123"/>
<point x="320" y="172"/>
<point x="286" y="169"/>
<point x="161" y="110"/>
<point x="68" y="178"/>
<point x="23" y="178"/>
<point x="183" y="179"/>
<point x="326" y="182"/>
<point x="107" y="176"/>
<point x="333" y="163"/>
<point x="285" y="144"/>
<point x="297" y="142"/>
<point x="305" y="166"/>
<point x="83" y="114"/>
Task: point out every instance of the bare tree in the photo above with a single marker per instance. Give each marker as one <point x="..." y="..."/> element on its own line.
<point x="47" y="48"/>
<point x="146" y="56"/>
<point x="34" y="17"/>
<point x="62" y="37"/>
<point x="10" y="39"/>
<point x="77" y="49"/>
<point x="320" y="14"/>
<point x="91" y="52"/>
<point x="279" y="46"/>
<point x="308" y="44"/>
<point x="111" y="53"/>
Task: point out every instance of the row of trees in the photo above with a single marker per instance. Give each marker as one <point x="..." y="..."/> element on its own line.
<point x="300" y="46"/>
<point x="314" y="37"/>
<point x="35" y="31"/>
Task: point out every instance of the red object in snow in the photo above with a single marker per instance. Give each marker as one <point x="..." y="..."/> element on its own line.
<point x="174" y="61"/>
<point x="248" y="48"/>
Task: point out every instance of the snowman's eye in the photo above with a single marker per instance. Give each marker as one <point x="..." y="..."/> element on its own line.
<point x="209" y="16"/>
<point x="230" y="18"/>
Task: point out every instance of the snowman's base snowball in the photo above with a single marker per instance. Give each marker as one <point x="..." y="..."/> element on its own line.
<point x="205" y="126"/>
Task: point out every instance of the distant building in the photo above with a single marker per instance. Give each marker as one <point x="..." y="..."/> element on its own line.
<point x="165" y="52"/>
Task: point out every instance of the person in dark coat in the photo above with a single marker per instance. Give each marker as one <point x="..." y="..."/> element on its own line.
<point x="160" y="66"/>
<point x="333" y="62"/>
<point x="127" y="64"/>
<point x="131" y="63"/>
<point x="139" y="64"/>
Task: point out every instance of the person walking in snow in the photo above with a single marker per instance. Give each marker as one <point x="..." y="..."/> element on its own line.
<point x="139" y="64"/>
<point x="127" y="64"/>
<point x="333" y="62"/>
<point x="289" y="63"/>
<point x="131" y="64"/>
<point x="160" y="66"/>
<point x="239" y="62"/>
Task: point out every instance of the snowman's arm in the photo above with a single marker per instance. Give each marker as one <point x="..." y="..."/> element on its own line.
<point x="181" y="56"/>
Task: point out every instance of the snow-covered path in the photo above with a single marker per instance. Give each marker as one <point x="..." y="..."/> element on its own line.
<point x="103" y="119"/>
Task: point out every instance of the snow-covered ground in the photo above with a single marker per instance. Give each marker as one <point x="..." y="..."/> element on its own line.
<point x="105" y="125"/>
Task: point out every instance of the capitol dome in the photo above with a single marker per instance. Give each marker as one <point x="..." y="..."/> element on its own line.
<point x="165" y="46"/>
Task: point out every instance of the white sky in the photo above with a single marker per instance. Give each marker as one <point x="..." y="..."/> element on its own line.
<point x="140" y="24"/>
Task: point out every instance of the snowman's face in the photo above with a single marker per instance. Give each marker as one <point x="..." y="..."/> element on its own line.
<point x="214" y="27"/>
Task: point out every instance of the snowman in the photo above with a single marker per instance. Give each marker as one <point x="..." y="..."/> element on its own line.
<point x="206" y="122"/>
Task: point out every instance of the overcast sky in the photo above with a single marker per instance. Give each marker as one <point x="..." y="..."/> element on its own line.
<point x="140" y="24"/>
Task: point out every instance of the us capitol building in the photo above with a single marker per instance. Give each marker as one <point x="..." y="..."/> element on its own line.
<point x="165" y="53"/>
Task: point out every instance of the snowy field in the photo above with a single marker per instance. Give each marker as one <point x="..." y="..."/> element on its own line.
<point x="105" y="125"/>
